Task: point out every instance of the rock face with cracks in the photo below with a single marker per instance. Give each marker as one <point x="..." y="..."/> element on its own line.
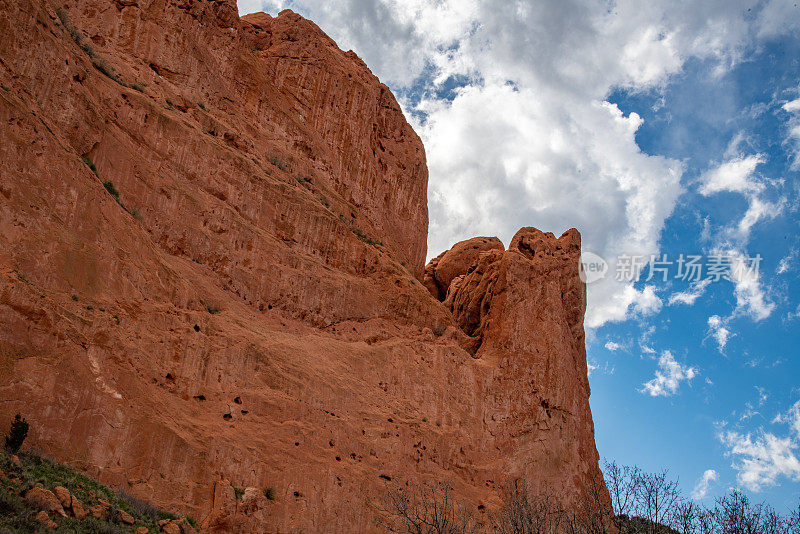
<point x="212" y="235"/>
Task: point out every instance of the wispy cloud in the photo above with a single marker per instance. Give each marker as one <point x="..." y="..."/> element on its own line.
<point x="691" y="295"/>
<point x="751" y="297"/>
<point x="738" y="175"/>
<point x="717" y="328"/>
<point x="669" y="375"/>
<point x="793" y="136"/>
<point x="790" y="417"/>
<point x="787" y="262"/>
<point x="701" y="488"/>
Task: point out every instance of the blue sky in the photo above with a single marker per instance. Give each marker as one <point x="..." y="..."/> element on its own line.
<point x="756" y="377"/>
<point x="656" y="128"/>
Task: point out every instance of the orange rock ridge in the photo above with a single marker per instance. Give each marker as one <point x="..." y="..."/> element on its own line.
<point x="247" y="310"/>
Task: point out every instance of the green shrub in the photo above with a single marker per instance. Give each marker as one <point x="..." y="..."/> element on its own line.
<point x="76" y="35"/>
<point x="17" y="434"/>
<point x="89" y="163"/>
<point x="237" y="491"/>
<point x="269" y="493"/>
<point x="365" y="238"/>
<point x="101" y="65"/>
<point x="278" y="162"/>
<point x="62" y="16"/>
<point x="111" y="190"/>
<point x="88" y="48"/>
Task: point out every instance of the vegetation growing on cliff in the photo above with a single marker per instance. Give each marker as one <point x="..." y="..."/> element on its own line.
<point x="38" y="494"/>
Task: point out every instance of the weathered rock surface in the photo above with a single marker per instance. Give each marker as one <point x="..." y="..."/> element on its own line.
<point x="44" y="500"/>
<point x="45" y="520"/>
<point x="246" y="310"/>
<point x="64" y="496"/>
<point x="441" y="270"/>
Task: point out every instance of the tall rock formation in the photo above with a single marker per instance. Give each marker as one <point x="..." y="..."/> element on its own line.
<point x="212" y="235"/>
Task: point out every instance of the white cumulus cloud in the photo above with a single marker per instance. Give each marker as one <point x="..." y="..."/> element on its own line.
<point x="734" y="176"/>
<point x="669" y="375"/>
<point x="762" y="458"/>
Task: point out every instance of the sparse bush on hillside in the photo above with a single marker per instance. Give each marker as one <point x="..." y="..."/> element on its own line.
<point x="429" y="509"/>
<point x="646" y="503"/>
<point x="521" y="514"/>
<point x="651" y="503"/>
<point x="15" y="515"/>
<point x="32" y="469"/>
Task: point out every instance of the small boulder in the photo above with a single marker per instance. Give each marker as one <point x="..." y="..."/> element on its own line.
<point x="125" y="517"/>
<point x="252" y="500"/>
<point x="142" y="530"/>
<point x="457" y="261"/>
<point x="172" y="527"/>
<point x="15" y="460"/>
<point x="45" y="520"/>
<point x="102" y="510"/>
<point x="45" y="500"/>
<point x="64" y="496"/>
<point x="99" y="512"/>
<point x="78" y="510"/>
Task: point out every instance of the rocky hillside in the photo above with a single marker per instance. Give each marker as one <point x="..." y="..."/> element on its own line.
<point x="212" y="245"/>
<point x="38" y="494"/>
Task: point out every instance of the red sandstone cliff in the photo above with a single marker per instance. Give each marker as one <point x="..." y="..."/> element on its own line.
<point x="248" y="310"/>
